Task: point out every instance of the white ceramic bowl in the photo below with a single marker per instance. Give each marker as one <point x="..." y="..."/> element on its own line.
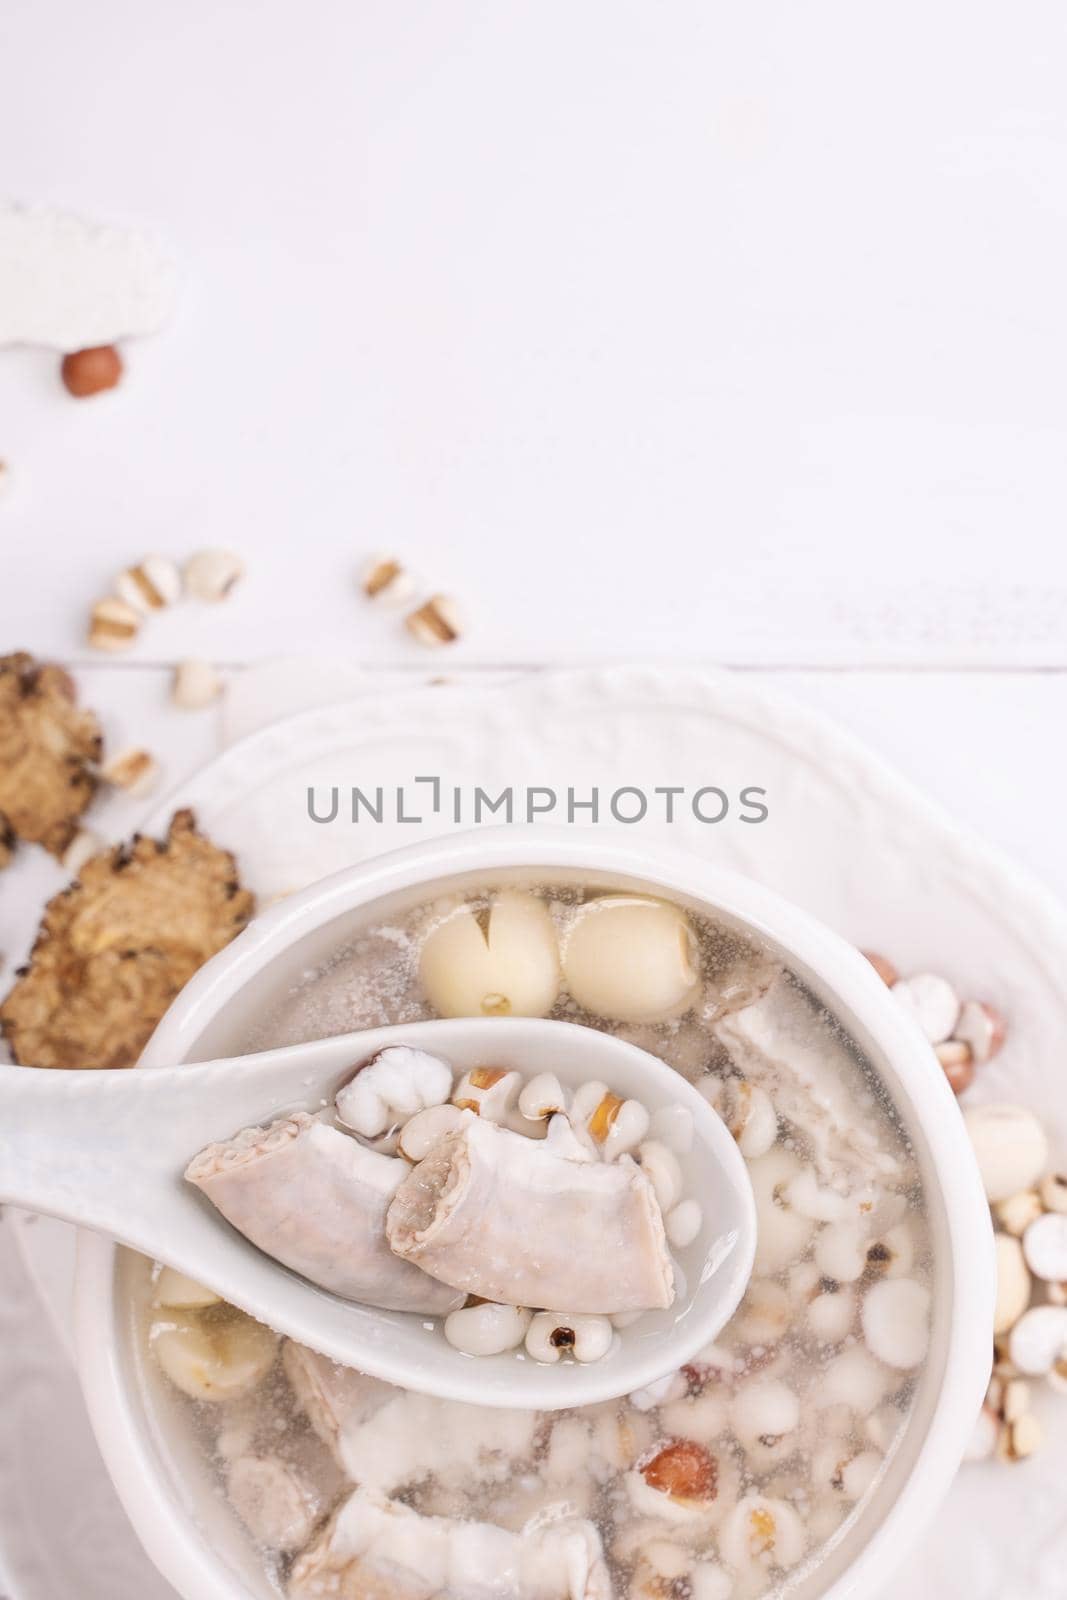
<point x="169" y="1493"/>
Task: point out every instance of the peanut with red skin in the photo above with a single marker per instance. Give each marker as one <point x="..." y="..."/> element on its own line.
<point x="682" y="1469"/>
<point x="91" y="371"/>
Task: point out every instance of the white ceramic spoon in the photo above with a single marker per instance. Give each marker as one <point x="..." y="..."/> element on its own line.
<point x="108" y="1150"/>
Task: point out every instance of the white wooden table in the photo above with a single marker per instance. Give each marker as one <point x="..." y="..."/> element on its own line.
<point x="688" y="332"/>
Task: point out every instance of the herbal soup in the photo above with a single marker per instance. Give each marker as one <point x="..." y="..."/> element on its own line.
<point x="723" y="1481"/>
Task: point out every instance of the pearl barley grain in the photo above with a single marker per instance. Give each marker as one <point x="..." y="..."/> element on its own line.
<point x="436" y="622"/>
<point x="386" y="581"/>
<point x="855" y="1381"/>
<point x="486" y="1330"/>
<point x="553" y="1334"/>
<point x="896" y="1321"/>
<point x="542" y="1097"/>
<point x="149" y="586"/>
<point x="154" y="583"/>
<point x="764" y="1411"/>
<point x="831" y="1315"/>
<point x="762" y="1529"/>
<point x="196" y="684"/>
<point x="617" y="1126"/>
<point x="211" y="574"/>
<point x="683" y="1224"/>
<point x="113" y="625"/>
<point x="660" y="1166"/>
<point x="490" y="1092"/>
<point x="841" y="1251"/>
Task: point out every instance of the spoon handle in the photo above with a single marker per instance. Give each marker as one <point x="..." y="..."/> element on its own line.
<point x="83" y="1146"/>
<point x="107" y="1149"/>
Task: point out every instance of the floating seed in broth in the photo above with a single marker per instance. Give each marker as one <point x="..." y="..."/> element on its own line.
<point x="725" y="1481"/>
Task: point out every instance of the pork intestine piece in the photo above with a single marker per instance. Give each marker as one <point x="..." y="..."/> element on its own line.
<point x="783" y="1044"/>
<point x="377" y="1549"/>
<point x="276" y="1503"/>
<point x="505" y="1218"/>
<point x="315" y="1199"/>
<point x="417" y="1436"/>
<point x="335" y="1399"/>
<point x="388" y="1439"/>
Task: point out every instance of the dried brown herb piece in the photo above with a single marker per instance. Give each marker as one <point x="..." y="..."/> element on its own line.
<point x="48" y="749"/>
<point x="115" y="948"/>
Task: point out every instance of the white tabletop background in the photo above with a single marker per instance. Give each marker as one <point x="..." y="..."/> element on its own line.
<point x="685" y="331"/>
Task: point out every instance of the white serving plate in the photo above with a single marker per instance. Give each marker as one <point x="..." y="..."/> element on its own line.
<point x="846" y="838"/>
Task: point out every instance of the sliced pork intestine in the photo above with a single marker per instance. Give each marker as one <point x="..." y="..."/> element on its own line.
<point x="505" y="1218"/>
<point x="417" y="1436"/>
<point x="513" y="1504"/>
<point x="315" y="1199"/>
<point x="336" y="1400"/>
<point x="276" y="1503"/>
<point x="781" y="1044"/>
<point x="378" y="1549"/>
<point x="390" y="1439"/>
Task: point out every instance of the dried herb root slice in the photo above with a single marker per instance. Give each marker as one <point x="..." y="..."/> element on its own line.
<point x="115" y="948"/>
